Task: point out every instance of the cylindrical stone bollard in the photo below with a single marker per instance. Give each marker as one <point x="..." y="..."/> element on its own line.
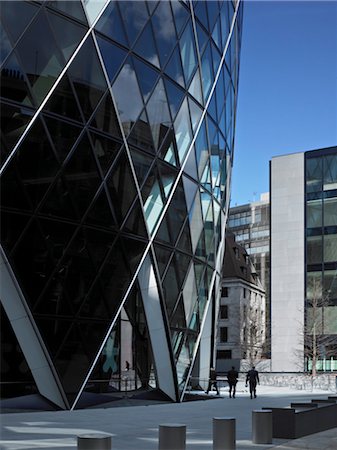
<point x="224" y="433"/>
<point x="172" y="436"/>
<point x="94" y="441"/>
<point x="262" y="426"/>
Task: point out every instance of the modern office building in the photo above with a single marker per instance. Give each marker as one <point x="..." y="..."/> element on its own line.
<point x="304" y="260"/>
<point x="117" y="134"/>
<point x="241" y="337"/>
<point x="251" y="225"/>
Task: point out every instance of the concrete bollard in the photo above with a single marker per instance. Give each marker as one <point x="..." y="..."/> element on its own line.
<point x="262" y="426"/>
<point x="224" y="433"/>
<point x="172" y="436"/>
<point x="94" y="441"/>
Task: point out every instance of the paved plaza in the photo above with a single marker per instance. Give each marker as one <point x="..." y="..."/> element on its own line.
<point x="136" y="427"/>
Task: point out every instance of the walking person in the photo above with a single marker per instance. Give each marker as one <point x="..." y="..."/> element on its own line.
<point x="232" y="378"/>
<point x="253" y="379"/>
<point x="212" y="381"/>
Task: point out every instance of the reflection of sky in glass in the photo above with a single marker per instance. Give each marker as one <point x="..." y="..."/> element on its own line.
<point x="183" y="130"/>
<point x="127" y="95"/>
<point x="93" y="8"/>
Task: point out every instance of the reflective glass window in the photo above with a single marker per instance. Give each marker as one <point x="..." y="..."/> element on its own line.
<point x="141" y="163"/>
<point x="180" y="14"/>
<point x="93" y="8"/>
<point x="87" y="76"/>
<point x="190" y="166"/>
<point x="141" y="134"/>
<point x="112" y="55"/>
<point x="330" y="248"/>
<point x="175" y="97"/>
<point x="314" y="249"/>
<point x="105" y="150"/>
<point x="145" y="46"/>
<point x="201" y="148"/>
<point x="171" y="289"/>
<point x="12" y="225"/>
<point x="330" y="211"/>
<point x="134" y="17"/>
<point x="216" y="58"/>
<point x="216" y="35"/>
<point x="147" y="77"/>
<point x="163" y="256"/>
<point x="165" y="32"/>
<point x="314" y="213"/>
<point x="207" y="71"/>
<point x="202" y="38"/>
<point x="196" y="113"/>
<point x="330" y="172"/>
<point x="213" y="12"/>
<point x="13" y="194"/>
<point x="110" y="24"/>
<point x="100" y="212"/>
<point x="225" y="25"/>
<point x="135" y="222"/>
<point x="15" y="16"/>
<point x="127" y="82"/>
<point x="72" y="8"/>
<point x="153" y="198"/>
<point x="188" y="53"/>
<point x="195" y="87"/>
<point x="5" y="45"/>
<point x="183" y="130"/>
<point x="63" y="136"/>
<point x="105" y="118"/>
<point x="168" y="150"/>
<point x="314" y="172"/>
<point x="158" y="114"/>
<point x="174" y="68"/>
<point x="330" y="284"/>
<point x="200" y="11"/>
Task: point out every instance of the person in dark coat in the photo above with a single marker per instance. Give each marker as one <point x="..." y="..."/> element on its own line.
<point x="232" y="378"/>
<point x="212" y="381"/>
<point x="253" y="379"/>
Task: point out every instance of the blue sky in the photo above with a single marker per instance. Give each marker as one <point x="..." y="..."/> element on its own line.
<point x="287" y="99"/>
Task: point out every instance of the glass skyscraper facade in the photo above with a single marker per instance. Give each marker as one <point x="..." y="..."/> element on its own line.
<point x="117" y="132"/>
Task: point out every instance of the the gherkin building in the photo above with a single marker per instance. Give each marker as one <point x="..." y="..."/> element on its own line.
<point x="117" y="131"/>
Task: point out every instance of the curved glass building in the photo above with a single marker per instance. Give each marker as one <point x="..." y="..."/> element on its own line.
<point x="117" y="131"/>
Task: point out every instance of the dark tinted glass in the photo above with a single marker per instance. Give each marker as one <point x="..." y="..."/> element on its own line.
<point x="181" y="14"/>
<point x="105" y="118"/>
<point x="112" y="55"/>
<point x="141" y="135"/>
<point x="165" y="32"/>
<point x="105" y="150"/>
<point x="110" y="24"/>
<point x="134" y="16"/>
<point x="5" y="45"/>
<point x="175" y="97"/>
<point x="174" y="68"/>
<point x="147" y="77"/>
<point x="63" y="136"/>
<point x="15" y="16"/>
<point x="72" y="8"/>
<point x="163" y="255"/>
<point x="12" y="225"/>
<point x="145" y="46"/>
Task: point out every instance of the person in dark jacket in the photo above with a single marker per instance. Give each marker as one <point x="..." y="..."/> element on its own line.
<point x="232" y="378"/>
<point x="253" y="379"/>
<point x="212" y="381"/>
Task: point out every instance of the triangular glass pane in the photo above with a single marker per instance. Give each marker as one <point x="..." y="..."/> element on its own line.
<point x="202" y="38"/>
<point x="145" y="46"/>
<point x="141" y="135"/>
<point x="163" y="233"/>
<point x="216" y="58"/>
<point x="177" y="211"/>
<point x="141" y="164"/>
<point x="127" y="82"/>
<point x="153" y="198"/>
<point x="195" y="88"/>
<point x="135" y="222"/>
<point x="207" y="71"/>
<point x="87" y="76"/>
<point x="44" y="68"/>
<point x="190" y="167"/>
<point x="201" y="13"/>
<point x="105" y="150"/>
<point x="100" y="212"/>
<point x="93" y="9"/>
<point x="63" y="136"/>
<point x="63" y="101"/>
<point x="163" y="256"/>
<point x="147" y="77"/>
<point x="71" y="8"/>
<point x="183" y="132"/>
<point x="167" y="177"/>
<point x="134" y="17"/>
<point x="168" y="151"/>
<point x="165" y="32"/>
<point x="15" y="16"/>
<point x="158" y="113"/>
<point x="212" y="108"/>
<point x="98" y="244"/>
<point x="216" y="35"/>
<point x="213" y="12"/>
<point x="175" y="97"/>
<point x="225" y="25"/>
<point x="12" y="225"/>
<point x="190" y="189"/>
<point x="174" y="68"/>
<point x="201" y="148"/>
<point x="13" y="194"/>
<point x="181" y="14"/>
<point x="196" y="222"/>
<point x="178" y="318"/>
<point x="151" y="4"/>
<point x="196" y="113"/>
<point x="68" y="34"/>
<point x="110" y="24"/>
<point x="112" y="55"/>
<point x="5" y="45"/>
<point x="105" y="118"/>
<point x="58" y="202"/>
<point x="181" y="260"/>
<point x="188" y="53"/>
<point x="14" y="84"/>
<point x="171" y="289"/>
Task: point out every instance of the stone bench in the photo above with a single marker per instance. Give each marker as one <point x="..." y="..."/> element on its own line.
<point x="301" y="419"/>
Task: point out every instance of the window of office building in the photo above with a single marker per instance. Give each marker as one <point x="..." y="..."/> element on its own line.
<point x="224" y="312"/>
<point x="223" y="334"/>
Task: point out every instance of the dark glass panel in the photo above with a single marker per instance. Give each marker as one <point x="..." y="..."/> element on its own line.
<point x="196" y="113"/>
<point x="216" y="58"/>
<point x="201" y="248"/>
<point x="67" y="33"/>
<point x="141" y="135"/>
<point x="82" y="175"/>
<point x="314" y="174"/>
<point x="63" y="136"/>
<point x="141" y="164"/>
<point x="175" y="97"/>
<point x="212" y="130"/>
<point x="188" y="53"/>
<point x="212" y="107"/>
<point x="195" y="88"/>
<point x="40" y="58"/>
<point x="36" y="163"/>
<point x="127" y="82"/>
<point x="151" y="4"/>
<point x="184" y="242"/>
<point x="213" y="12"/>
<point x="14" y="84"/>
<point x="12" y="225"/>
<point x="201" y="12"/>
<point x="59" y="201"/>
<point x="110" y="24"/>
<point x="225" y="25"/>
<point x="13" y="194"/>
<point x="147" y="77"/>
<point x="201" y="149"/>
<point x="202" y="38"/>
<point x="163" y="256"/>
<point x="135" y="222"/>
<point x="13" y="123"/>
<point x="216" y="35"/>
<point x="145" y="46"/>
<point x="207" y="71"/>
<point x="330" y="172"/>
<point x="168" y="175"/>
<point x="105" y="150"/>
<point x="15" y="16"/>
<point x="158" y="114"/>
<point x="105" y="118"/>
<point x="190" y="167"/>
<point x="178" y="319"/>
<point x="181" y="14"/>
<point x="170" y="289"/>
<point x="168" y="150"/>
<point x="72" y="8"/>
<point x="98" y="243"/>
<point x="5" y="45"/>
<point x="165" y="33"/>
<point x="121" y="187"/>
<point x="181" y="262"/>
<point x="63" y="101"/>
<point x="220" y="95"/>
<point x="190" y="189"/>
<point x="112" y="55"/>
<point x="134" y="17"/>
<point x="100" y="212"/>
<point x="87" y="76"/>
<point x="133" y="250"/>
<point x="177" y="211"/>
<point x="174" y="68"/>
<point x="163" y="233"/>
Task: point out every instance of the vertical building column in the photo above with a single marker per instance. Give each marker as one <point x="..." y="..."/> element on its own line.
<point x="287" y="262"/>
